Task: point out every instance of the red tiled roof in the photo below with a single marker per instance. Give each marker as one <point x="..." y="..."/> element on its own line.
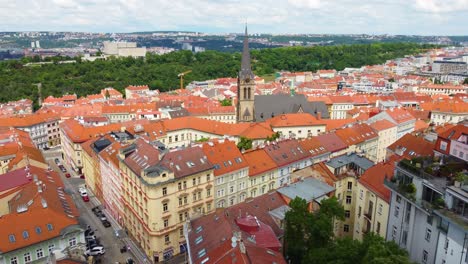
<point x="259" y="162"/>
<point x="383" y="124"/>
<point x="225" y="156"/>
<point x="44" y="205"/>
<point x="286" y="152"/>
<point x="410" y="146"/>
<point x="331" y="142"/>
<point x="294" y="120"/>
<point x="373" y="179"/>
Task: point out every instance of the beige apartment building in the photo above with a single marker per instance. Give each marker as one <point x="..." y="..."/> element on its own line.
<point x="160" y="191"/>
<point x="387" y="132"/>
<point x="231" y="172"/>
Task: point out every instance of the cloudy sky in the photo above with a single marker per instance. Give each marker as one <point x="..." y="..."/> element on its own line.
<point x="418" y="17"/>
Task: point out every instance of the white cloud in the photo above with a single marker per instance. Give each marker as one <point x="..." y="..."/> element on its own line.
<point x="441" y="6"/>
<point x="312" y="4"/>
<point x="275" y="16"/>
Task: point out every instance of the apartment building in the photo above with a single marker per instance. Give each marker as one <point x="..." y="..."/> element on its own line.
<point x="288" y="156"/>
<point x="387" y="133"/>
<point x="428" y="215"/>
<point x="38" y="218"/>
<point x="340" y="106"/>
<point x="42" y="128"/>
<point x="347" y="168"/>
<point x="372" y="203"/>
<point x="360" y="138"/>
<point x="231" y="172"/>
<point x="451" y="112"/>
<point x="161" y="190"/>
<point x="447" y="89"/>
<point x="262" y="172"/>
<point x="299" y="125"/>
<point x="404" y="121"/>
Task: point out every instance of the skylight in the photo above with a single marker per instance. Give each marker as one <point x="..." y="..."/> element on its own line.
<point x="38" y="230"/>
<point x="25" y="234"/>
<point x="198" y="240"/>
<point x="50" y="227"/>
<point x="201" y="253"/>
<point x="199" y="229"/>
<point x="12" y="238"/>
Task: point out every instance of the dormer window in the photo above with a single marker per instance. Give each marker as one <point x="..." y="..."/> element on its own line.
<point x="25" y="234"/>
<point x="12" y="238"/>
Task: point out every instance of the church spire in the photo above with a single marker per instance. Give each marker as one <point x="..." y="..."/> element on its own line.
<point x="246" y="70"/>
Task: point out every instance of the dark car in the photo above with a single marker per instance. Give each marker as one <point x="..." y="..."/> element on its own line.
<point x="62" y="168"/>
<point x="106" y="223"/>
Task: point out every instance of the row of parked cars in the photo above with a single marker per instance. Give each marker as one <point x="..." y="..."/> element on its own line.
<point x="93" y="245"/>
<point x="97" y="212"/>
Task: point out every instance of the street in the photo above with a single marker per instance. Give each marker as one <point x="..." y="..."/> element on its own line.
<point x="107" y="236"/>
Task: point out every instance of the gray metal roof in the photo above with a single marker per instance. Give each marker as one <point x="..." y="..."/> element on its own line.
<point x="308" y="189"/>
<point x="268" y="106"/>
<point x="280" y="212"/>
<point x="343" y="160"/>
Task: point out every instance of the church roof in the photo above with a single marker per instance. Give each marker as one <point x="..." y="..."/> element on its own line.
<point x="268" y="106"/>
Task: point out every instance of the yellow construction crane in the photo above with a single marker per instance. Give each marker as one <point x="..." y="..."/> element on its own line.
<point x="181" y="76"/>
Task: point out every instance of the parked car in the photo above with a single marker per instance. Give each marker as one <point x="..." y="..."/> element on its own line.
<point x="106" y="223"/>
<point x="99" y="250"/>
<point x="68" y="175"/>
<point x="130" y="261"/>
<point x="90" y="237"/>
<point x="82" y="176"/>
<point x="85" y="198"/>
<point x="62" y="168"/>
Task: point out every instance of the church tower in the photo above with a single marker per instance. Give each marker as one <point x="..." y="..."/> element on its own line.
<point x="245" y="86"/>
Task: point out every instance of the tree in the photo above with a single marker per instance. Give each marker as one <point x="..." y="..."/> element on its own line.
<point x="273" y="137"/>
<point x="244" y="143"/>
<point x="309" y="238"/>
<point x="465" y="81"/>
<point x="305" y="230"/>
<point x="226" y="102"/>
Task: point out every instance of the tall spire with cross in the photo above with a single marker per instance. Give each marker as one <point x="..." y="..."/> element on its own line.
<point x="246" y="69"/>
<point x="245" y="85"/>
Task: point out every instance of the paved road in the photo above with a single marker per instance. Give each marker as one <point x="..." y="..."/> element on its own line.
<point x="106" y="235"/>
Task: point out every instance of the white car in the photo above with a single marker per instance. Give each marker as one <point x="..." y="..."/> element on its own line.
<point x="83" y="191"/>
<point x="95" y="251"/>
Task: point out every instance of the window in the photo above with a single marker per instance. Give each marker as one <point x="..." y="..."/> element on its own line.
<point x="398" y="198"/>
<point x="378" y="228"/>
<point x="164" y="191"/>
<point x="208" y="207"/>
<point x="27" y="257"/>
<point x="51" y="248"/>
<point x="380" y="209"/>
<point x="359" y="211"/>
<point x="12" y="238"/>
<point x="165" y="207"/>
<point x="208" y="177"/>
<point x="179" y="185"/>
<point x="346" y="228"/>
<point x="14" y="260"/>
<point x="25" y="234"/>
<point x="425" y="256"/>
<point x="72" y="241"/>
<point x="429" y="219"/>
<point x="166" y="223"/>
<point x="394" y="231"/>
<point x="185" y="199"/>
<point x="361" y="194"/>
<point x="428" y="234"/>
<point x="404" y="237"/>
<point x="231" y="189"/>
<point x="208" y="192"/>
<point x="185" y="184"/>
<point x="350" y="186"/>
<point x="443" y="145"/>
<point x="167" y="239"/>
<point x="181" y="217"/>
<point x="347" y="213"/>
<point x="397" y="211"/>
<point x="180" y="201"/>
<point x="194" y="181"/>
<point x="39" y="253"/>
<point x="194" y="196"/>
<point x="348" y="199"/>
<point x="181" y="232"/>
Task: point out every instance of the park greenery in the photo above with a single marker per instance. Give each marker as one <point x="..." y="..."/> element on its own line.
<point x="160" y="71"/>
<point x="309" y="238"/>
